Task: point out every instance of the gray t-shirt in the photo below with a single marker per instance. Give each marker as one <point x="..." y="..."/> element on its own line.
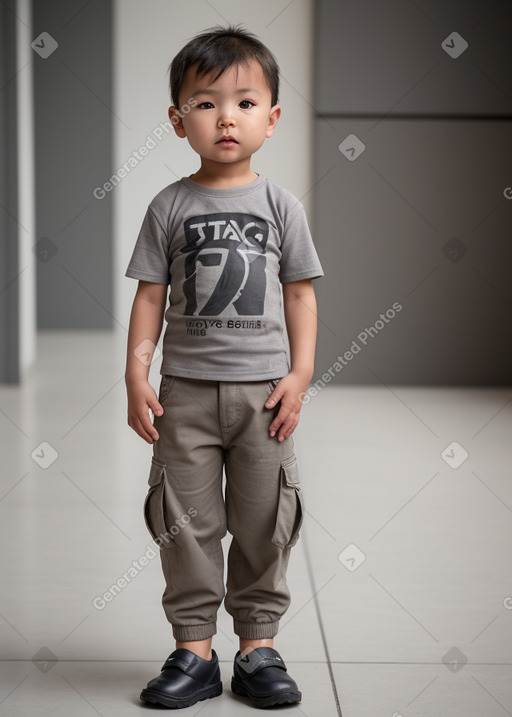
<point x="224" y="253"/>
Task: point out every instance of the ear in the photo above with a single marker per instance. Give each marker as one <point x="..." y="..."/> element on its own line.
<point x="273" y="118"/>
<point x="177" y="121"/>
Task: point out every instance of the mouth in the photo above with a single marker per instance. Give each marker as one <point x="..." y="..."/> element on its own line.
<point x="227" y="140"/>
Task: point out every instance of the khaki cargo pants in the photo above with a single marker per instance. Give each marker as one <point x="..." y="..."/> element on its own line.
<point x="208" y="426"/>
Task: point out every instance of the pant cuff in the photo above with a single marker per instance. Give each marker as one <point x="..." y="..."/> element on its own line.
<point x="255" y="630"/>
<point x="183" y="633"/>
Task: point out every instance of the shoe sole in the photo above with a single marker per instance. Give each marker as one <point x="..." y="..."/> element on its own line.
<point x="280" y="698"/>
<point x="154" y="697"/>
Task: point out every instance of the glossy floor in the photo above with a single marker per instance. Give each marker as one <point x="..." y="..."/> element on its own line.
<point x="401" y="582"/>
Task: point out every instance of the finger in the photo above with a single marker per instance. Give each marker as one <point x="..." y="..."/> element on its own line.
<point x="274" y="397"/>
<point x="147" y="438"/>
<point x="148" y="428"/>
<point x="138" y="427"/>
<point x="139" y="430"/>
<point x="279" y="420"/>
<point x="156" y="407"/>
<point x="288" y="426"/>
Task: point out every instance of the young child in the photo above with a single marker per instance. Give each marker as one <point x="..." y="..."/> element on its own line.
<point x="226" y="239"/>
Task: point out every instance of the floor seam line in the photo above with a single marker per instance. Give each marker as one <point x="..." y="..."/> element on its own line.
<point x="320" y="622"/>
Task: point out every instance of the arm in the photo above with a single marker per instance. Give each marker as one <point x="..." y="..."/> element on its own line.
<point x="300" y="315"/>
<point x="145" y="323"/>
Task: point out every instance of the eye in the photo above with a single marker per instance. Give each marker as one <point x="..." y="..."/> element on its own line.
<point x="246" y="104"/>
<point x="205" y="106"/>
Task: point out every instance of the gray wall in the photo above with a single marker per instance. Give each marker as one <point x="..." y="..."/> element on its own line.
<point x="73" y="120"/>
<point x="9" y="228"/>
<point x="420" y="216"/>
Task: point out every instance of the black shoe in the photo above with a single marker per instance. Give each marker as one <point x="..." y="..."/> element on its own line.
<point x="184" y="680"/>
<point x="262" y="677"/>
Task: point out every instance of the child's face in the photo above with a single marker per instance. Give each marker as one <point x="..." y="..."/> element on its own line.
<point x="237" y="104"/>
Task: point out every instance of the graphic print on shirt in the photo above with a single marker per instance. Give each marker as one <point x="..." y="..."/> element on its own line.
<point x="225" y="264"/>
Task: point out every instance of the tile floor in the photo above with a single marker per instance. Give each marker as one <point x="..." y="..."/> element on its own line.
<point x="401" y="582"/>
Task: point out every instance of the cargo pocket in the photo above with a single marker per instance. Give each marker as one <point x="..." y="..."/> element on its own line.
<point x="154" y="512"/>
<point x="290" y="509"/>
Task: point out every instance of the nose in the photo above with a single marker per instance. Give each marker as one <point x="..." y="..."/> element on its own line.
<point x="226" y="120"/>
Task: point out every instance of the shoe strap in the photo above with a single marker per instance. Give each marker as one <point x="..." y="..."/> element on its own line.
<point x="260" y="658"/>
<point x="190" y="663"/>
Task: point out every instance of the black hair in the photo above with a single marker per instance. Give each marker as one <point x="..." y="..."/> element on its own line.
<point x="219" y="48"/>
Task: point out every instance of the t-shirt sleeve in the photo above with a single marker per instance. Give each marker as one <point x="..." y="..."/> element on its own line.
<point x="299" y="259"/>
<point x="150" y="258"/>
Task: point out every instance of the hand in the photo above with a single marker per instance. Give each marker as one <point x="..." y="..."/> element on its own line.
<point x="287" y="391"/>
<point x="141" y="397"/>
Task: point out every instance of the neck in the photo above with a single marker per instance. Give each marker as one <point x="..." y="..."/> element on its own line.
<point x="222" y="175"/>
